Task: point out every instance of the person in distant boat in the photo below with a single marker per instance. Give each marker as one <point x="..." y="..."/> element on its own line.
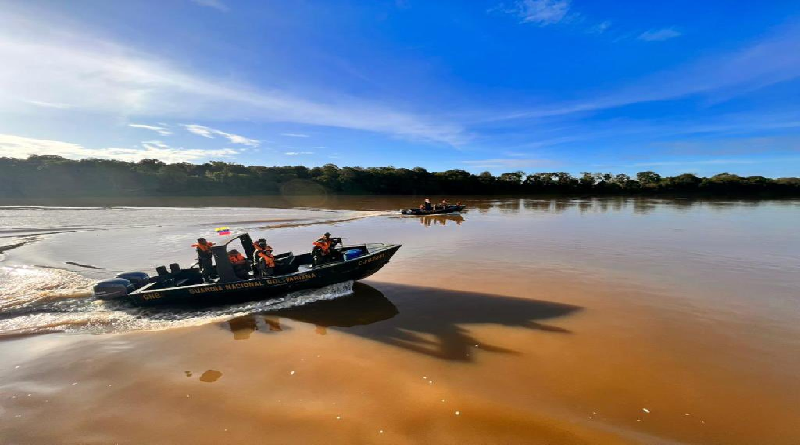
<point x="444" y="204"/>
<point x="427" y="206"/>
<point x="323" y="249"/>
<point x="204" y="258"/>
<point x="239" y="263"/>
<point x="265" y="262"/>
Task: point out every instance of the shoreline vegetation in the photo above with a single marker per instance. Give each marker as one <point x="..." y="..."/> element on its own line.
<point x="54" y="176"/>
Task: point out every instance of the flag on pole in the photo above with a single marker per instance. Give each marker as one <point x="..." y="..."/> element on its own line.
<point x="223" y="231"/>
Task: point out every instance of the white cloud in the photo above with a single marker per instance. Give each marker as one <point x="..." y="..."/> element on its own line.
<point x="22" y="147"/>
<point x="542" y="12"/>
<point x="98" y="76"/>
<point x="599" y="28"/>
<point x="295" y="135"/>
<point x="298" y="153"/>
<point x="208" y="132"/>
<point x="659" y="35"/>
<point x="160" y="130"/>
<point x="216" y="4"/>
<point x="200" y="131"/>
<point x="42" y="104"/>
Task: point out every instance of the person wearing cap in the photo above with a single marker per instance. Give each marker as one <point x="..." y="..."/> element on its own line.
<point x="258" y="246"/>
<point x="204" y="258"/>
<point x="265" y="261"/>
<point x="323" y="248"/>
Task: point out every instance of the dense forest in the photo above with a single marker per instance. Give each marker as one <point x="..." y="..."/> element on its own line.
<point x="53" y="176"/>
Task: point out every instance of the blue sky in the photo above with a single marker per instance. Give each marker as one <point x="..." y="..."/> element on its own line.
<point x="532" y="85"/>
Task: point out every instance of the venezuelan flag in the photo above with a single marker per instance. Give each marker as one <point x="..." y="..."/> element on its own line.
<point x="223" y="231"/>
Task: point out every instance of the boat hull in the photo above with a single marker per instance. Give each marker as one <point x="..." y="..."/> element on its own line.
<point x="418" y="212"/>
<point x="268" y="287"/>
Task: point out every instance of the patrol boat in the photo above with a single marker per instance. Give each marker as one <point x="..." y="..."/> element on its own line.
<point x="179" y="286"/>
<point x="447" y="209"/>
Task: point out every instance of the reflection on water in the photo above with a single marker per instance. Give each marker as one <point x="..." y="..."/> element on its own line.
<point x="242" y="327"/>
<point x="366" y="305"/>
<point x="639" y="205"/>
<point x="432" y="322"/>
<point x="437" y="220"/>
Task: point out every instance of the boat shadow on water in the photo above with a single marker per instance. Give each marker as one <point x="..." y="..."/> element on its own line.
<point x="424" y="320"/>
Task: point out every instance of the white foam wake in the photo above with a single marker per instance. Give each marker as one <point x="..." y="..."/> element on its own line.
<point x="88" y="315"/>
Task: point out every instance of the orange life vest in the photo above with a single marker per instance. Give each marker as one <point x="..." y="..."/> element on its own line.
<point x="236" y="258"/>
<point x="204" y="247"/>
<point x="323" y="244"/>
<point x="266" y="255"/>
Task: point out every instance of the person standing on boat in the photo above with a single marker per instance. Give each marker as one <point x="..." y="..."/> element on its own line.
<point x="322" y="252"/>
<point x="204" y="258"/>
<point x="427" y="206"/>
<point x="265" y="262"/>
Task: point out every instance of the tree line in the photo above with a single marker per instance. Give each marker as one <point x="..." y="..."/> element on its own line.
<point x="54" y="176"/>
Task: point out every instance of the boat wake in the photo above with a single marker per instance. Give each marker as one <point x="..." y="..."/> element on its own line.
<point x="39" y="300"/>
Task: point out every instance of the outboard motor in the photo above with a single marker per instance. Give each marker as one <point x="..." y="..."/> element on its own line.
<point x="138" y="279"/>
<point x="113" y="289"/>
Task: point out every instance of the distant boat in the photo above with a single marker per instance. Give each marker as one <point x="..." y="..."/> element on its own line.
<point x="292" y="273"/>
<point x="435" y="211"/>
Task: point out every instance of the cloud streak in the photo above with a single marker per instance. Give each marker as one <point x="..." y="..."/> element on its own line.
<point x="160" y="130"/>
<point x="43" y="104"/>
<point x="22" y="147"/>
<point x="211" y="133"/>
<point x="96" y="75"/>
<point x="542" y="12"/>
<point x="659" y="35"/>
<point x="215" y="4"/>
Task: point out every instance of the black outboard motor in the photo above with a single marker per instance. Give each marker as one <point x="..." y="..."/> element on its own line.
<point x="113" y="289"/>
<point x="138" y="279"/>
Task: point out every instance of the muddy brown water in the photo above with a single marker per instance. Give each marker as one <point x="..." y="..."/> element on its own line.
<point x="519" y="321"/>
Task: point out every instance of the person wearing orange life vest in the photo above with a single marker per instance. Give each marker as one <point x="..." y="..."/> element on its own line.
<point x="265" y="261"/>
<point x="257" y="246"/>
<point x="323" y="249"/>
<point x="239" y="263"/>
<point x="204" y="258"/>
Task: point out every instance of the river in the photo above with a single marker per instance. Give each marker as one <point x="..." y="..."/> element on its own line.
<point x="520" y="321"/>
